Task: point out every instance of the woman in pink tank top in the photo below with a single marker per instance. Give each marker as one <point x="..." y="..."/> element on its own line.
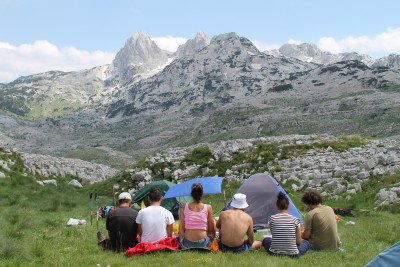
<point x="197" y="225"/>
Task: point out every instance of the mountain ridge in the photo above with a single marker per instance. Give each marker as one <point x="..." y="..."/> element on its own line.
<point x="210" y="89"/>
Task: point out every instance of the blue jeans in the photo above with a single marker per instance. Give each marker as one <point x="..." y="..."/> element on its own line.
<point x="303" y="247"/>
<point x="202" y="243"/>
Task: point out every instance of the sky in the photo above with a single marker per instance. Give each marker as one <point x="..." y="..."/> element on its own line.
<point x="67" y="35"/>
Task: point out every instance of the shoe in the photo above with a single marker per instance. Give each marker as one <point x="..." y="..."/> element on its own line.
<point x="100" y="237"/>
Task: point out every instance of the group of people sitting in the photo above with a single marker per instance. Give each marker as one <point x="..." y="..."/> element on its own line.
<point x="198" y="229"/>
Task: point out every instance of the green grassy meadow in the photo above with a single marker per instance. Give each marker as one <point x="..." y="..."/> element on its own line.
<point x="34" y="231"/>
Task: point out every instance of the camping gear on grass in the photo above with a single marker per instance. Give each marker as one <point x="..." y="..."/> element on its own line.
<point x="168" y="243"/>
<point x="261" y="191"/>
<point x="387" y="258"/>
<point x="168" y="203"/>
<point x="75" y="222"/>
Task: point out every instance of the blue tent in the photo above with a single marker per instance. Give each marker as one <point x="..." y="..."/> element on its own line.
<point x="261" y="191"/>
<point x="211" y="185"/>
<point x="388" y="258"/>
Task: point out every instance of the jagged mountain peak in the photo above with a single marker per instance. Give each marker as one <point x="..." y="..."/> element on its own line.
<point x="200" y="41"/>
<point x="139" y="49"/>
<point x="230" y="42"/>
<point x="140" y="55"/>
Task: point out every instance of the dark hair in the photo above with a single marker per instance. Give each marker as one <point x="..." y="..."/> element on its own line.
<point x="282" y="202"/>
<point x="311" y="197"/>
<point x="155" y="194"/>
<point x="120" y="201"/>
<point x="197" y="192"/>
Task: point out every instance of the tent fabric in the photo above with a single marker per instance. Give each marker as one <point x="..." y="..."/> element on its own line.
<point x="169" y="243"/>
<point x="388" y="258"/>
<point x="261" y="191"/>
<point x="211" y="185"/>
<point x="164" y="186"/>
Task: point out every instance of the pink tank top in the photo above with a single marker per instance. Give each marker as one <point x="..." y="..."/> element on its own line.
<point x="194" y="219"/>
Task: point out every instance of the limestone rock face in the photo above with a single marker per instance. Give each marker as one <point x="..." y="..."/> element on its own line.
<point x="388" y="196"/>
<point x="139" y="56"/>
<point x="75" y="183"/>
<point x="193" y="45"/>
<point x="48" y="165"/>
<point x="332" y="172"/>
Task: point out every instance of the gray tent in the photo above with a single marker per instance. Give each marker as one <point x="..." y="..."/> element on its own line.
<point x="261" y="191"/>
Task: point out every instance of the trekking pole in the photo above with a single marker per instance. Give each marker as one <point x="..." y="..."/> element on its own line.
<point x="90" y="207"/>
<point x="97" y="210"/>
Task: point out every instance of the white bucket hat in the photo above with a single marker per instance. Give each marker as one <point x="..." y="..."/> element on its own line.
<point x="239" y="201"/>
<point x="124" y="195"/>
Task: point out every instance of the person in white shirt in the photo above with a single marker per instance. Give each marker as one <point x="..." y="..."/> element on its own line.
<point x="154" y="222"/>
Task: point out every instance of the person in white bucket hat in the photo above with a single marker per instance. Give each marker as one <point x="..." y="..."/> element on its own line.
<point x="239" y="201"/>
<point x="236" y="227"/>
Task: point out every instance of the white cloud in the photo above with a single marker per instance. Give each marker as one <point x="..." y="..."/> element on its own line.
<point x="385" y="42"/>
<point x="44" y="56"/>
<point x="294" y="41"/>
<point x="263" y="47"/>
<point x="169" y="43"/>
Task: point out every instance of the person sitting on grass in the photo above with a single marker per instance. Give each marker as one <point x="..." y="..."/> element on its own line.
<point x="121" y="225"/>
<point x="154" y="222"/>
<point x="320" y="226"/>
<point x="236" y="227"/>
<point x="286" y="232"/>
<point x="197" y="225"/>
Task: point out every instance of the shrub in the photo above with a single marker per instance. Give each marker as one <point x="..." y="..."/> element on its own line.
<point x="199" y="156"/>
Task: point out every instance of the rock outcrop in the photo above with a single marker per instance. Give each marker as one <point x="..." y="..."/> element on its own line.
<point x="330" y="171"/>
<point x="56" y="166"/>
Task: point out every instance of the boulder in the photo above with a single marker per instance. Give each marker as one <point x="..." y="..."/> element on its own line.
<point x="75" y="183"/>
<point x="50" y="182"/>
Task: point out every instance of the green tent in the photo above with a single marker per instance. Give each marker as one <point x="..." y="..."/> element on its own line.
<point x="164" y="186"/>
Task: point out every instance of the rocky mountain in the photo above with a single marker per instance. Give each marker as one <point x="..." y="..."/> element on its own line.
<point x="391" y="61"/>
<point x="311" y="53"/>
<point x="210" y="89"/>
<point x="140" y="57"/>
<point x="200" y="41"/>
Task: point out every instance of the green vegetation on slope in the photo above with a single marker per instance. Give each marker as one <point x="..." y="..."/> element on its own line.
<point x="34" y="231"/>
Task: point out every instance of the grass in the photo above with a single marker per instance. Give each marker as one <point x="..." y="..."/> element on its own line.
<point x="34" y="232"/>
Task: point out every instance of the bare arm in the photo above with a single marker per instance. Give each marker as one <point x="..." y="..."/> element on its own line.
<point x="218" y="224"/>
<point x="169" y="230"/>
<point x="306" y="234"/>
<point x="139" y="230"/>
<point x="210" y="222"/>
<point x="298" y="235"/>
<point x="250" y="232"/>
<point x="182" y="223"/>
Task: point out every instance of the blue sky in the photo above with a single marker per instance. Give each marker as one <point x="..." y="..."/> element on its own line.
<point x="41" y="35"/>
